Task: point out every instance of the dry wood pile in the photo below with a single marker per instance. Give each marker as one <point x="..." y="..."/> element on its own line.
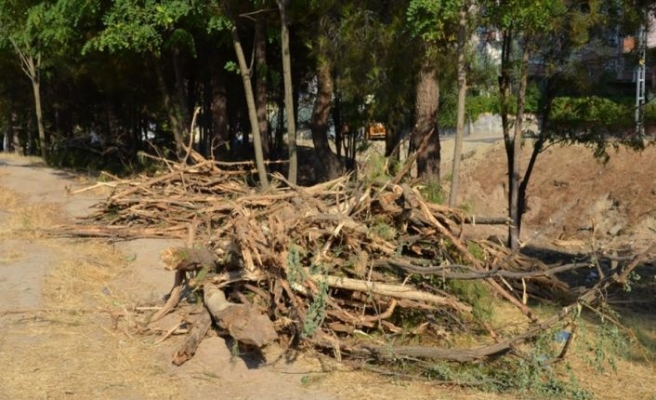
<point x="343" y="265"/>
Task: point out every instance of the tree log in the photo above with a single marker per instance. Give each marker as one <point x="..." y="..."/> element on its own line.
<point x="474" y="220"/>
<point x="391" y="290"/>
<point x="198" y="331"/>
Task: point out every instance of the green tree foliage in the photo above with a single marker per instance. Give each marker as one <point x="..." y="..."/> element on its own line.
<point x="133" y="71"/>
<point x="141" y="26"/>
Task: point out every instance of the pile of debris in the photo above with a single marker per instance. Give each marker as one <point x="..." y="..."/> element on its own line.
<point x="326" y="265"/>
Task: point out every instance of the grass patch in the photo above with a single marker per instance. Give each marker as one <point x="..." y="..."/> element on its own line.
<point x="383" y="230"/>
<point x="10" y="200"/>
<point x="375" y="168"/>
<point x="28" y="222"/>
<point x="72" y="346"/>
<point x="475" y="293"/>
<point x="10" y="256"/>
<point x="433" y="192"/>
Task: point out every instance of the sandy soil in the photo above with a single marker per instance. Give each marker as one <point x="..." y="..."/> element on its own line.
<point x="572" y="197"/>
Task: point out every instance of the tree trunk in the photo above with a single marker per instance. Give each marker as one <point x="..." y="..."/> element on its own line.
<point x="427" y="99"/>
<point x="504" y="89"/>
<point x="289" y="96"/>
<point x="252" y="110"/>
<point x="261" y="83"/>
<point x="43" y="142"/>
<point x="515" y="207"/>
<point x="181" y="92"/>
<point x="538" y="146"/>
<point x="8" y="137"/>
<point x="462" y="98"/>
<point x="174" y="118"/>
<point x="340" y="128"/>
<point x="220" y="136"/>
<point x="32" y="68"/>
<point x="280" y="128"/>
<point x="330" y="165"/>
<point x="504" y="94"/>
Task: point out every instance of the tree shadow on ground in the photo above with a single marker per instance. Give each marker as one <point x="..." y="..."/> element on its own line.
<point x="630" y="307"/>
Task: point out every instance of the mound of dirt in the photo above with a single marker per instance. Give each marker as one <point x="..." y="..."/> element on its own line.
<point x="571" y="196"/>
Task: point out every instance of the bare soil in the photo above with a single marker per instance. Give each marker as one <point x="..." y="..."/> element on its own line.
<point x="65" y="304"/>
<point x="573" y="198"/>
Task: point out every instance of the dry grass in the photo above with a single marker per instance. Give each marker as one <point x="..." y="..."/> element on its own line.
<point x="36" y="161"/>
<point x="29" y="221"/>
<point x="71" y="348"/>
<point x="10" y="256"/>
<point x="10" y="200"/>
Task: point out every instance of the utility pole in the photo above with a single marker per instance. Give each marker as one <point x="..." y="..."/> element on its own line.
<point x="640" y="81"/>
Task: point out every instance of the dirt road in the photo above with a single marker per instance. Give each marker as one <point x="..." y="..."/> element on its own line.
<point x="64" y="305"/>
<point x="67" y="310"/>
<point x="68" y="307"/>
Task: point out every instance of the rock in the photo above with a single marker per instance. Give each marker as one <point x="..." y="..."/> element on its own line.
<point x="245" y="323"/>
<point x="615" y="230"/>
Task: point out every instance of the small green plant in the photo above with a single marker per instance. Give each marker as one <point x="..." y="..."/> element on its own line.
<point x="476" y="250"/>
<point x="475" y="293"/>
<point x="634" y="278"/>
<point x="234" y="350"/>
<point x="375" y="168"/>
<point x="607" y="344"/>
<point x="528" y="376"/>
<point x="316" y="312"/>
<point x="294" y="267"/>
<point x="433" y="192"/>
<point x="383" y="230"/>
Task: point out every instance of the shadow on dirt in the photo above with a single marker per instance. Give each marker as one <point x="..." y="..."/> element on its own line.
<point x="628" y="308"/>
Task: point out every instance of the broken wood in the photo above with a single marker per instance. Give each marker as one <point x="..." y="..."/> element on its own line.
<point x="395" y="291"/>
<point x="244" y="323"/>
<point x="199" y="329"/>
<point x="328" y="261"/>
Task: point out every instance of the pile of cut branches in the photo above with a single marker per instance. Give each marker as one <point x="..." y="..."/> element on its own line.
<point x="345" y="266"/>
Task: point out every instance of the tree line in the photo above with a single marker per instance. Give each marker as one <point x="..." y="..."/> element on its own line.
<point x="96" y="82"/>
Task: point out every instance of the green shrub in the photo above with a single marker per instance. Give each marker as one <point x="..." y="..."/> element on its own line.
<point x="591" y="113"/>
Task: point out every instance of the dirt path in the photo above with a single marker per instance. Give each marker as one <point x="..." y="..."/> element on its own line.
<point x="66" y="307"/>
<point x="60" y="300"/>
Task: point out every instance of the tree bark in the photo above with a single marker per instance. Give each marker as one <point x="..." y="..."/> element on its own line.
<point x="252" y="110"/>
<point x="32" y="68"/>
<point x="199" y="329"/>
<point x="462" y="98"/>
<point x="504" y="94"/>
<point x="261" y="83"/>
<point x="289" y="97"/>
<point x="43" y="141"/>
<point x="220" y="136"/>
<point x="427" y="99"/>
<point x="339" y="124"/>
<point x="181" y="91"/>
<point x="514" y="229"/>
<point x="173" y="116"/>
<point x="538" y="146"/>
<point x="331" y="166"/>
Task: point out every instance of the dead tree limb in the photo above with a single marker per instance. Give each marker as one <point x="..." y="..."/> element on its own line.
<point x="446" y="271"/>
<point x="198" y="331"/>
<point x="395" y="291"/>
